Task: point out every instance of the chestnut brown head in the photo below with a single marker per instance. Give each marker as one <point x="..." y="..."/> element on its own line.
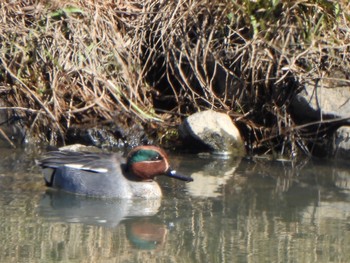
<point x="146" y="162"/>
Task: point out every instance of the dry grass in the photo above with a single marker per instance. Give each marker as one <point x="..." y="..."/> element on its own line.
<point x="68" y="63"/>
<point x="65" y="64"/>
<point x="247" y="58"/>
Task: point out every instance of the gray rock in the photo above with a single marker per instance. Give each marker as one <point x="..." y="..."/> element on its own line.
<point x="322" y="108"/>
<point x="214" y="130"/>
<point x="108" y="135"/>
<point x="12" y="132"/>
<point x="321" y="103"/>
<point x="342" y="143"/>
<point x="80" y="148"/>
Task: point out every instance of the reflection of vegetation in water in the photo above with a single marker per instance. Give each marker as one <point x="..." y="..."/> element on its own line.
<point x="260" y="219"/>
<point x="92" y="61"/>
<point x="256" y="221"/>
<point x="266" y="210"/>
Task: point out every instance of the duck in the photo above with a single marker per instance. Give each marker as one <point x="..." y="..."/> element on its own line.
<point x="109" y="175"/>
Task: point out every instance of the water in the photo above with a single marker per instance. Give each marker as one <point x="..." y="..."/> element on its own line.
<point x="236" y="210"/>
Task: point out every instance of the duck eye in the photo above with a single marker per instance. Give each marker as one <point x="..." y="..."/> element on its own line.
<point x="156" y="157"/>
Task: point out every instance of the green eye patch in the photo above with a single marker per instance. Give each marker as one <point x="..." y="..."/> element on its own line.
<point x="144" y="155"/>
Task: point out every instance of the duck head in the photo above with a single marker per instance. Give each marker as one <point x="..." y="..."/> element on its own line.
<point x="148" y="161"/>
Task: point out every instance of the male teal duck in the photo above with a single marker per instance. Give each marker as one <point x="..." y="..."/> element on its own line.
<point x="109" y="175"/>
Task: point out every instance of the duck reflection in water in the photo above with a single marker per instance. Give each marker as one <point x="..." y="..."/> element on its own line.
<point x="62" y="207"/>
<point x="143" y="230"/>
<point x="145" y="233"/>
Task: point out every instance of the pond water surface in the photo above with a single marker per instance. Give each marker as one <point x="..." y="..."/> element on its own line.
<point x="236" y="210"/>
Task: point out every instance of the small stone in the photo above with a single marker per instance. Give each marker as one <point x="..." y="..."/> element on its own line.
<point x="342" y="143"/>
<point x="213" y="129"/>
<point x="79" y="148"/>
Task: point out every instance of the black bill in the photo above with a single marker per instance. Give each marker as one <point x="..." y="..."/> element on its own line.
<point x="174" y="174"/>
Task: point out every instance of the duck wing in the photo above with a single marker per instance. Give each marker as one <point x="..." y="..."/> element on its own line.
<point x="87" y="161"/>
